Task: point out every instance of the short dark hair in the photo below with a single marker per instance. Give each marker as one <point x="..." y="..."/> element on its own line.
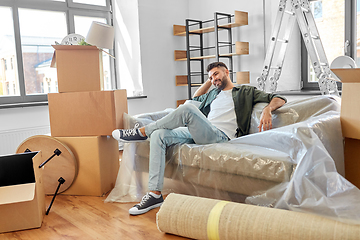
<point x="214" y="65"/>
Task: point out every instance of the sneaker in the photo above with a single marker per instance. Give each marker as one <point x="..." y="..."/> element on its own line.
<point x="128" y="135"/>
<point x="147" y="203"/>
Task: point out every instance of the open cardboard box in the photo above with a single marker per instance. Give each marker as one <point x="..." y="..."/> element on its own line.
<point x="350" y="101"/>
<point x="22" y="201"/>
<point x="350" y="121"/>
<point x="352" y="160"/>
<point x="79" y="68"/>
<point x="95" y="113"/>
<point x="98" y="164"/>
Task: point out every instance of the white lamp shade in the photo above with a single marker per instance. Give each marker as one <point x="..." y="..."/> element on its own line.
<point x="100" y="35"/>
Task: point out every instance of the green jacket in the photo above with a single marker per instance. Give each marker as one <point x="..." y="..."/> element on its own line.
<point x="245" y="97"/>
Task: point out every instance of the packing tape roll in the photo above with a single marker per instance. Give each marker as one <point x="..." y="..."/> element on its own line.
<point x="213" y="220"/>
<point x="203" y="218"/>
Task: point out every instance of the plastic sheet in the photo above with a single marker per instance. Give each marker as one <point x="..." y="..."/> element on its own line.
<point x="298" y="165"/>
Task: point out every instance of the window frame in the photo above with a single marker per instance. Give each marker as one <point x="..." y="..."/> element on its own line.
<point x="350" y="35"/>
<point x="73" y="4"/>
<point x="70" y="9"/>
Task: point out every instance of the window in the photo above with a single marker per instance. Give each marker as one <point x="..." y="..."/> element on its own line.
<point x="357" y="51"/>
<point x="93" y="2"/>
<point x="28" y="29"/>
<point x="316" y="8"/>
<point x="329" y="18"/>
<point x="340" y="34"/>
<point x="38" y="30"/>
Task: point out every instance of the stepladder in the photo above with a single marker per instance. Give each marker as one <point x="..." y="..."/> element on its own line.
<point x="291" y="12"/>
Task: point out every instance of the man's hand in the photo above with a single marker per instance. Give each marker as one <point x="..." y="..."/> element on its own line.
<point x="266" y="117"/>
<point x="265" y="120"/>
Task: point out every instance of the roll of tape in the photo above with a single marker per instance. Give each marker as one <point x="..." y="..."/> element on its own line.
<point x="213" y="220"/>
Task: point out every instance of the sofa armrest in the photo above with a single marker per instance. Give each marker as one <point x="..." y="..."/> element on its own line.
<point x="295" y="111"/>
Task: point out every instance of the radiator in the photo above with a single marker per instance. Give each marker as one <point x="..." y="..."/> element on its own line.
<point x="11" y="139"/>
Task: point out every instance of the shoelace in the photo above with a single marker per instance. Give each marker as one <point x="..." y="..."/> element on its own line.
<point x="131" y="132"/>
<point x="144" y="199"/>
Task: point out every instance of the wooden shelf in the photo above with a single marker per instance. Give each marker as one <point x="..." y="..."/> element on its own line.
<point x="181" y="80"/>
<point x="241" y="19"/>
<point x="180" y="55"/>
<point x="241" y="48"/>
<point x="179" y="30"/>
<point x="179" y="102"/>
<point x="242" y="77"/>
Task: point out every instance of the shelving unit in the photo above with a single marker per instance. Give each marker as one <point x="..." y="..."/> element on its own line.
<point x="238" y="48"/>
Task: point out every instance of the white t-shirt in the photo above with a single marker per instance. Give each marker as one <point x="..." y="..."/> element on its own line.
<point x="222" y="113"/>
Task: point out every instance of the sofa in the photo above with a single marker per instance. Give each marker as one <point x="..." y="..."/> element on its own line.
<point x="259" y="168"/>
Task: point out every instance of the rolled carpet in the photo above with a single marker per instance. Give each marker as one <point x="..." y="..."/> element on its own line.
<point x="203" y="218"/>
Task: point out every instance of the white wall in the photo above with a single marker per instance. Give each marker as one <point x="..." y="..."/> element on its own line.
<point x="157" y="44"/>
<point x="22" y="118"/>
<point x="127" y="46"/>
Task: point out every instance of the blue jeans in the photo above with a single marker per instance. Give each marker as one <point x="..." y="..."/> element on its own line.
<point x="186" y="124"/>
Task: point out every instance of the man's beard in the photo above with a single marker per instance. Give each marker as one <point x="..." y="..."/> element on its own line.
<point x="224" y="82"/>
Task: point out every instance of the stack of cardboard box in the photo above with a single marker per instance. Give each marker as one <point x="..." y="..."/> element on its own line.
<point x="83" y="116"/>
<point x="350" y="121"/>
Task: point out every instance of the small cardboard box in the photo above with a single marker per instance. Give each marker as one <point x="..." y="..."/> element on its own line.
<point x="79" y="68"/>
<point x="22" y="197"/>
<point x="86" y="113"/>
<point x="352" y="161"/>
<point x="350" y="101"/>
<point x="98" y="164"/>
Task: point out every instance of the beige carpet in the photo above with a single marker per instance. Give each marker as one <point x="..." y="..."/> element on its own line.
<point x="202" y="218"/>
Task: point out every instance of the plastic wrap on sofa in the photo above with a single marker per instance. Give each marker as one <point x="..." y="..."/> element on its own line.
<point x="298" y="165"/>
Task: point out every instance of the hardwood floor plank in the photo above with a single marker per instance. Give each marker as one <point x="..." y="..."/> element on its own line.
<point x="84" y="217"/>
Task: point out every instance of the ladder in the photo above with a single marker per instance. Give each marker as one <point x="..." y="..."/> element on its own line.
<point x="299" y="11"/>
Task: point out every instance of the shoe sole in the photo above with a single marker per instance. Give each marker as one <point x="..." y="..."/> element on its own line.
<point x="145" y="210"/>
<point x="130" y="141"/>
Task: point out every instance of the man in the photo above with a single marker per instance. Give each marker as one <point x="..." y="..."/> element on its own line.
<point x="224" y="114"/>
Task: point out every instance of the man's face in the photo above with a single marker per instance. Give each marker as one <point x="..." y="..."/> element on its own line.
<point x="218" y="77"/>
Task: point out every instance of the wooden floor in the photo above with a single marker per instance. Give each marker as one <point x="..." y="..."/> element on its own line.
<point x="83" y="217"/>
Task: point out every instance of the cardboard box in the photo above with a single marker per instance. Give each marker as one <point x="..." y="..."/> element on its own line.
<point x="86" y="113"/>
<point x="79" y="68"/>
<point x="352" y="161"/>
<point x="22" y="201"/>
<point x="350" y="101"/>
<point x="98" y="164"/>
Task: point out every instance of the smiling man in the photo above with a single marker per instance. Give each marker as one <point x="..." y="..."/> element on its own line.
<point x="224" y="114"/>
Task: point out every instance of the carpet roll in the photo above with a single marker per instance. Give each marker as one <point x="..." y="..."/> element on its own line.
<point x="203" y="218"/>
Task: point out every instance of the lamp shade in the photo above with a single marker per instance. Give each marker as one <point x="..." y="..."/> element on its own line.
<point x="101" y="35"/>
